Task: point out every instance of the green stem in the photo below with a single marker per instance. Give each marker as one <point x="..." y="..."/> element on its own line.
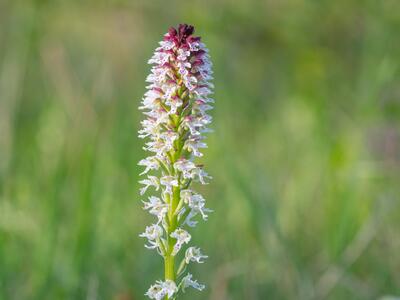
<point x="169" y="267"/>
<point x="169" y="260"/>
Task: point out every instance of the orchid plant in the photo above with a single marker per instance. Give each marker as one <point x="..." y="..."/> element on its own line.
<point x="176" y="106"/>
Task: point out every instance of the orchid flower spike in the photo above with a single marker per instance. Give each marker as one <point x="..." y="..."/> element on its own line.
<point x="176" y="107"/>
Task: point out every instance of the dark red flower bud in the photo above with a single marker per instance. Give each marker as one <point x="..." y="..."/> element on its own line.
<point x="172" y="31"/>
<point x="192" y="39"/>
<point x="185" y="30"/>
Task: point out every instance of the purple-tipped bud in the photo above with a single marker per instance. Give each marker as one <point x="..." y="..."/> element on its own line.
<point x="182" y="36"/>
<point x="172" y="31"/>
<point x="185" y="30"/>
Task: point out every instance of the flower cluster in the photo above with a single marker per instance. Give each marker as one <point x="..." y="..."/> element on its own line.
<point x="176" y="106"/>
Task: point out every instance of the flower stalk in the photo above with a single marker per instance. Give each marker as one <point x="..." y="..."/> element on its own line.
<point x="175" y="105"/>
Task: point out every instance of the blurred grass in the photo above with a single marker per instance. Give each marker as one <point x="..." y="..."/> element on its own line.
<point x="305" y="155"/>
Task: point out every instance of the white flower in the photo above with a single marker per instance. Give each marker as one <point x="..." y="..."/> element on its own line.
<point x="182" y="54"/>
<point x="195" y="46"/>
<point x="169" y="182"/>
<point x="150" y="181"/>
<point x="170" y="91"/>
<point x="156" y="207"/>
<point x="167" y="45"/>
<point x="152" y="233"/>
<point x="185" y="195"/>
<point x="194" y="254"/>
<point x="170" y="288"/>
<point x="150" y="163"/>
<point x="161" y="289"/>
<point x="155" y="292"/>
<point x="203" y="91"/>
<point x="150" y="99"/>
<point x="199" y="174"/>
<point x="149" y="128"/>
<point x="193" y="124"/>
<point x="188" y="282"/>
<point x="193" y="145"/>
<point x="196" y="202"/>
<point x="185" y="166"/>
<point x="158" y="74"/>
<point x="159" y="58"/>
<point x="201" y="106"/>
<point x="182" y="237"/>
<point x="188" y="221"/>
<point x="159" y="147"/>
<point x="174" y="102"/>
<point x="169" y="137"/>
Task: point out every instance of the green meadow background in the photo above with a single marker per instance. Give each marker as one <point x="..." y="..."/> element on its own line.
<point x="305" y="155"/>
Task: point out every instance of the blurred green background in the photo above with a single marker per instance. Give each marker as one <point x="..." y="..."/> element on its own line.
<point x="305" y="155"/>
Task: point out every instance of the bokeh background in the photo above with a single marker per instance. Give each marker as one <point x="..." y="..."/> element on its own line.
<point x="305" y="155"/>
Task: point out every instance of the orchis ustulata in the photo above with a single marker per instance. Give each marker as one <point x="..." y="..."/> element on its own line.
<point x="175" y="106"/>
